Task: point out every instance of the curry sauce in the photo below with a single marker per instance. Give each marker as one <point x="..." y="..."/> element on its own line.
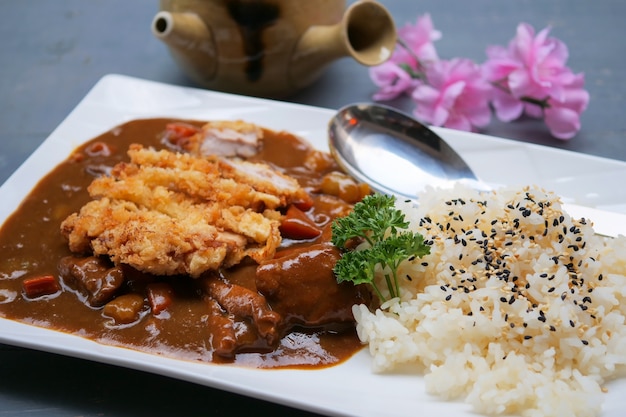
<point x="295" y="290"/>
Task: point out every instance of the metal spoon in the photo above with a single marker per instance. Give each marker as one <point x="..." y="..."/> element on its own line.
<point x="397" y="155"/>
<point x="393" y="152"/>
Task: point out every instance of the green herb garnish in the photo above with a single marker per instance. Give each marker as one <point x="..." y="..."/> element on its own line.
<point x="377" y="221"/>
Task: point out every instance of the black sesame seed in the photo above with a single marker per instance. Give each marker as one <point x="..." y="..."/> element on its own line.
<point x="448" y="297"/>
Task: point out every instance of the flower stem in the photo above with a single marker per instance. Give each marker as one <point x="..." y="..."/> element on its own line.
<point x="418" y="72"/>
<point x="541" y="102"/>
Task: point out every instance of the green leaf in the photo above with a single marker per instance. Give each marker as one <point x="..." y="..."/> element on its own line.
<point x="355" y="267"/>
<point x="370" y="219"/>
<point x="376" y="220"/>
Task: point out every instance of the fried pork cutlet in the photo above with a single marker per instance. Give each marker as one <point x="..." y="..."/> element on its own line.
<point x="172" y="213"/>
<point x="226" y="138"/>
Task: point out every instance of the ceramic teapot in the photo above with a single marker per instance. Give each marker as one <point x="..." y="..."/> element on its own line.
<point x="270" y="48"/>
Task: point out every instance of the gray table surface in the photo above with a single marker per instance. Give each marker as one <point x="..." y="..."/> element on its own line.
<point x="53" y="52"/>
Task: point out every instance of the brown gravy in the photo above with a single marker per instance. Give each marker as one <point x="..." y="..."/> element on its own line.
<point x="32" y="245"/>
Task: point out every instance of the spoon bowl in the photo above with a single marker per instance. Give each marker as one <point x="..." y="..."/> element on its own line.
<point x="397" y="155"/>
<point x="394" y="153"/>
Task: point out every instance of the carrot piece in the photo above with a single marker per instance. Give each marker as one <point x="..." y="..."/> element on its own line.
<point x="181" y="130"/>
<point x="35" y="287"/>
<point x="296" y="225"/>
<point x="179" y="133"/>
<point x="159" y="296"/>
<point x="304" y="204"/>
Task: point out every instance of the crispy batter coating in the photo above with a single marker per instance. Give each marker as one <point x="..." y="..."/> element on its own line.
<point x="173" y="213"/>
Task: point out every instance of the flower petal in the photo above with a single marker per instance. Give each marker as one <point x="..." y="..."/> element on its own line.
<point x="563" y="123"/>
<point x="392" y="81"/>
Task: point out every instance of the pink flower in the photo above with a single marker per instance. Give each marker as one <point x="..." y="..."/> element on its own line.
<point x="533" y="78"/>
<point x="455" y="95"/>
<point x="562" y="115"/>
<point x="528" y="77"/>
<point x="397" y="76"/>
<point x="419" y="39"/>
<point x="391" y="80"/>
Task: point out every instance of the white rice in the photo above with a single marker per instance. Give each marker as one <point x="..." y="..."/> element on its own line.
<point x="519" y="309"/>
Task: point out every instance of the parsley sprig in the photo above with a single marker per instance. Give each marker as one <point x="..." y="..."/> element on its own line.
<point x="377" y="221"/>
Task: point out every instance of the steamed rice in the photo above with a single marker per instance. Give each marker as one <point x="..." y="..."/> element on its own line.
<point x="518" y="309"/>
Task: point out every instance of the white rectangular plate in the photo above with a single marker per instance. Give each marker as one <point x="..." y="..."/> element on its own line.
<point x="349" y="389"/>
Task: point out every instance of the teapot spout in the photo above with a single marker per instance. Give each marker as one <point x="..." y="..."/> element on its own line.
<point x="190" y="42"/>
<point x="366" y="33"/>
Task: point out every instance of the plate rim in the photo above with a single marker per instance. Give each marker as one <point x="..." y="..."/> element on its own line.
<point x="225" y="377"/>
